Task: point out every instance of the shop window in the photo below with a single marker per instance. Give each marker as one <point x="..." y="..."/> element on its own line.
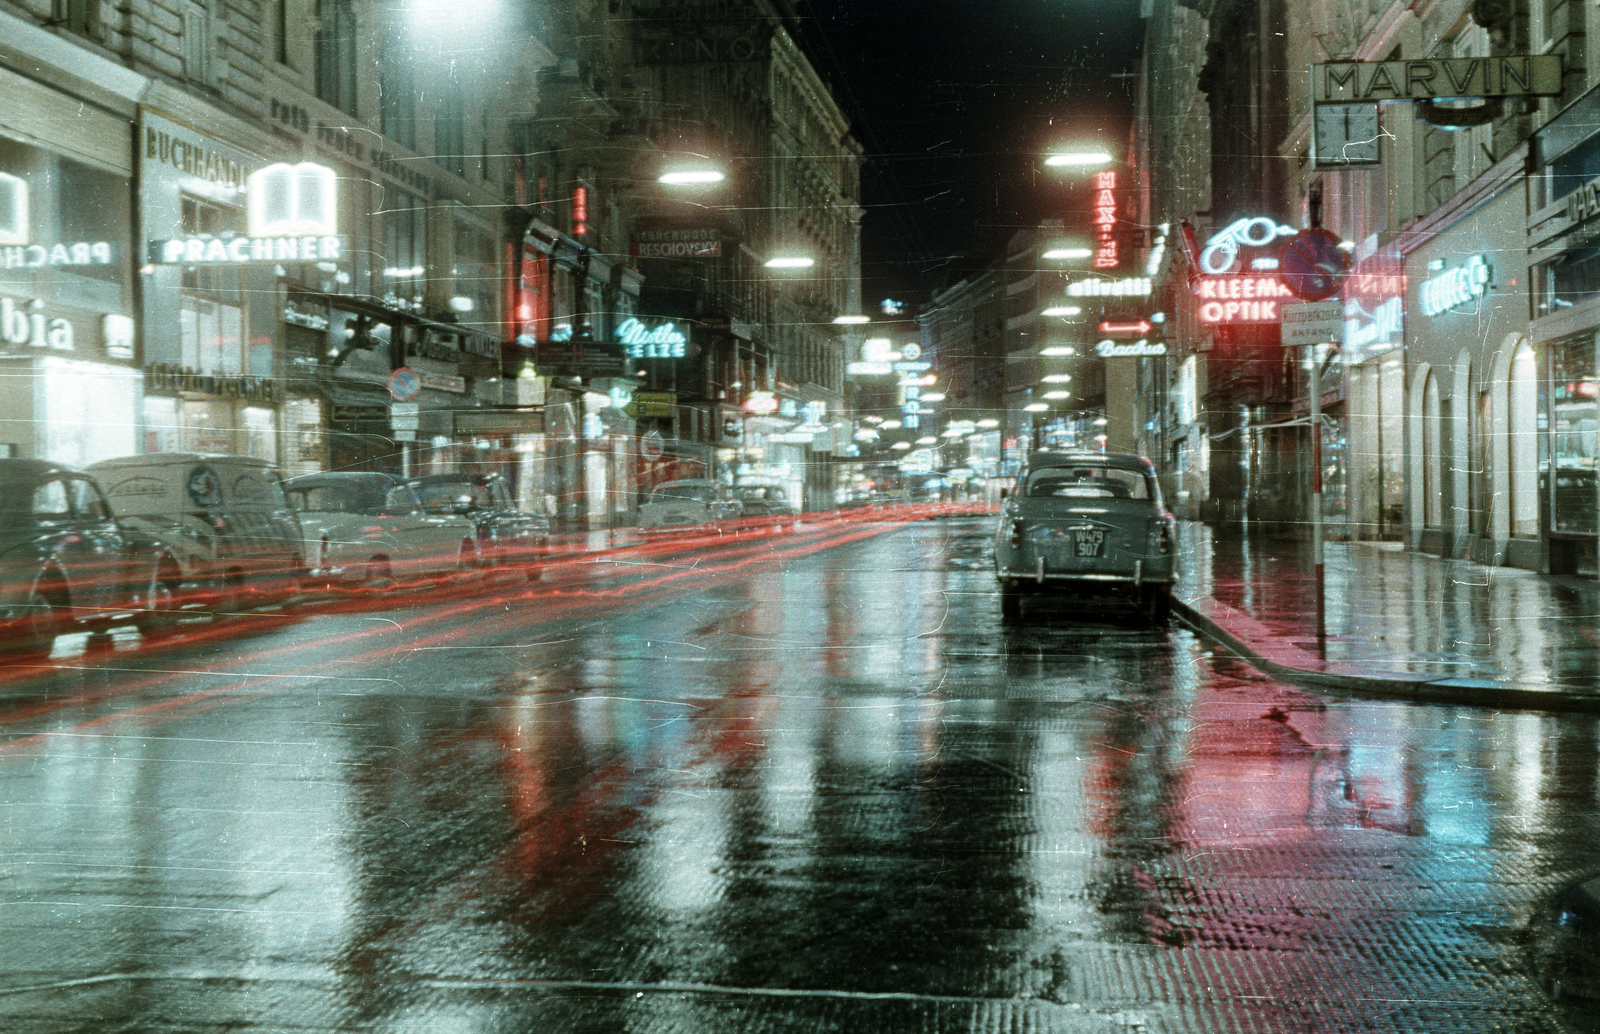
<point x="397" y="91"/>
<point x="1574" y="437"/>
<point x="476" y="275"/>
<point x="335" y="53"/>
<point x="260" y="434"/>
<point x="86" y="411"/>
<point x="1431" y="473"/>
<point x="405" y="246"/>
<point x="211" y="310"/>
<point x="1524" y="444"/>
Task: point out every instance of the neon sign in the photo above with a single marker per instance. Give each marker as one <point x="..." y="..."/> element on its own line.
<point x="1136" y="349"/>
<point x="1221" y="254"/>
<point x="1130" y="287"/>
<point x="25" y="324"/>
<point x="659" y="342"/>
<point x="1105" y="221"/>
<point x="1456" y="286"/>
<point x="1240" y="298"/>
<point x="235" y="251"/>
<point x="761" y="402"/>
<point x="294" y="201"/>
<point x="38" y="256"/>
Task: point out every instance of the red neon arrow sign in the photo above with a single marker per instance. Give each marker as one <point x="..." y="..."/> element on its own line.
<point x="1139" y="327"/>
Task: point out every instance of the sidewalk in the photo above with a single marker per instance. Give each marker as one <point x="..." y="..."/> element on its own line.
<point x="1398" y="623"/>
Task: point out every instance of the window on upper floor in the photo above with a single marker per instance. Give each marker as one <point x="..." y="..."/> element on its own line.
<point x="81" y="16"/>
<point x="335" y="51"/>
<point x="450" y="125"/>
<point x="199" y="42"/>
<point x="280" y="31"/>
<point x="397" y="91"/>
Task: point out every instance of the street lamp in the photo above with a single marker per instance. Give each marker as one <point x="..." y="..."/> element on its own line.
<point x="691" y="177"/>
<point x="847" y="321"/>
<point x="1078" y="159"/>
<point x="1062" y="310"/>
<point x="1068" y="252"/>
<point x="790" y="262"/>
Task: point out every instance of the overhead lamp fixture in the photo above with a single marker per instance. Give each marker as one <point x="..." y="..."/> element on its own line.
<point x="937" y="396"/>
<point x="1058" y="350"/>
<point x="691" y="177"/>
<point x="1036" y="407"/>
<point x="1058" y="378"/>
<point x="851" y="320"/>
<point x="1062" y="310"/>
<point x="988" y="422"/>
<point x="927" y="439"/>
<point x="791" y="262"/>
<point x="1077" y="159"/>
<point x="891" y="425"/>
<point x="901" y="445"/>
<point x="1069" y="253"/>
<point x="1058" y="394"/>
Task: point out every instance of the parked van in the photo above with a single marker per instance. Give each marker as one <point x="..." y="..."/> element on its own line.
<point x="225" y="518"/>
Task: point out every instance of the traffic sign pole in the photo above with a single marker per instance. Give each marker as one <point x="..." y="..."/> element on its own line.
<point x="1316" y="497"/>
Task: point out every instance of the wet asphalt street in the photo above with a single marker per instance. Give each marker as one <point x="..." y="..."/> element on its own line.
<point x="799" y="782"/>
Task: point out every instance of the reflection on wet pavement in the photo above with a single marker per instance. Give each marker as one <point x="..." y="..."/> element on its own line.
<point x="833" y="793"/>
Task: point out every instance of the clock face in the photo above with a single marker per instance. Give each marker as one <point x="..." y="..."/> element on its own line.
<point x="1345" y="135"/>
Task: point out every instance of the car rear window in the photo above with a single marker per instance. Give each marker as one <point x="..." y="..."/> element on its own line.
<point x="1087" y="482"/>
<point x="693" y="492"/>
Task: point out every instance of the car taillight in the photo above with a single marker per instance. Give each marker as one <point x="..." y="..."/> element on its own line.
<point x="1165" y="544"/>
<point x="1016" y="533"/>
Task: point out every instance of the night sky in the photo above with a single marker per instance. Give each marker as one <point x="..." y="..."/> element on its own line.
<point x="956" y="102"/>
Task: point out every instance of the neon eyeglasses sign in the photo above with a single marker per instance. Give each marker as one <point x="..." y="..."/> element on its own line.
<point x="1221" y="254"/>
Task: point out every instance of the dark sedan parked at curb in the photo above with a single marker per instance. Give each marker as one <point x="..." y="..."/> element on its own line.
<point x="1085" y="523"/>
<point x="507" y="536"/>
<point x="67" y="565"/>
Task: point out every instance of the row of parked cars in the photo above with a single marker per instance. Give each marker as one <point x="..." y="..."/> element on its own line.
<point x="142" y="537"/>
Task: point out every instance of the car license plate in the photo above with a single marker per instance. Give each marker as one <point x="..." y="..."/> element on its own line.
<point x="1089" y="542"/>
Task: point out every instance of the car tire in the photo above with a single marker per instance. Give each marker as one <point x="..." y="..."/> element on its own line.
<point x="1010" y="603"/>
<point x="35" y="633"/>
<point x="160" y="614"/>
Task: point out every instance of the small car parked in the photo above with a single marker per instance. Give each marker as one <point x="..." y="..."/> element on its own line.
<point x="67" y="564"/>
<point x="371" y="527"/>
<point x="765" y="501"/>
<point x="507" y="536"/>
<point x="690" y="503"/>
<point x="1085" y="522"/>
<point x="225" y="518"/>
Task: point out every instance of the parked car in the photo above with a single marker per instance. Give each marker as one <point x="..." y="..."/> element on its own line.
<point x="225" y="518"/>
<point x="1085" y="522"/>
<point x="366" y="527"/>
<point x="67" y="564"/>
<point x="690" y="503"/>
<point x="507" y="535"/>
<point x="765" y="501"/>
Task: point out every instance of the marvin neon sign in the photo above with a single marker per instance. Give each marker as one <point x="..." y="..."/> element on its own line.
<point x="293" y="218"/>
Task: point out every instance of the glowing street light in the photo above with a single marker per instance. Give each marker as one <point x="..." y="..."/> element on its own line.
<point x="1036" y="407"/>
<point x="1058" y="350"/>
<point x="1078" y="159"/>
<point x="927" y="440"/>
<point x="1062" y="310"/>
<point x="790" y="262"/>
<point x="1058" y="378"/>
<point x="691" y="177"/>
<point x="851" y="320"/>
<point x="901" y="445"/>
<point x="1058" y="394"/>
<point x="1069" y="253"/>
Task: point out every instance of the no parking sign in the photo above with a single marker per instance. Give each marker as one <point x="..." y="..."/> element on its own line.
<point x="405" y="384"/>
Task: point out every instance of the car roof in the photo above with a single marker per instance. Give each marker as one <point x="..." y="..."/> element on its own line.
<point x="342" y="477"/>
<point x="16" y="469"/>
<point x="690" y="481"/>
<point x="151" y="459"/>
<point x="1087" y="458"/>
<point x="446" y="479"/>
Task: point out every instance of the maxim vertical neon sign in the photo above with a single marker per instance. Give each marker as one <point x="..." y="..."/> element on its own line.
<point x="1105" y="220"/>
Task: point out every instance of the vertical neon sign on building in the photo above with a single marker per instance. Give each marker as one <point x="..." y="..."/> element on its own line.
<point x="1105" y="221"/>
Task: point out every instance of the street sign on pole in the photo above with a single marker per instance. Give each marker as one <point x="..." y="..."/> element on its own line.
<point x="1311" y="323"/>
<point x="1313" y="264"/>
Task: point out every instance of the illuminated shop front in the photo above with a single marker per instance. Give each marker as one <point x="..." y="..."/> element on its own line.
<point x="210" y="256"/>
<point x="69" y="391"/>
<point x="1370" y="419"/>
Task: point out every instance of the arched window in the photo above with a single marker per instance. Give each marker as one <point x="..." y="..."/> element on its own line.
<point x="1522" y="436"/>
